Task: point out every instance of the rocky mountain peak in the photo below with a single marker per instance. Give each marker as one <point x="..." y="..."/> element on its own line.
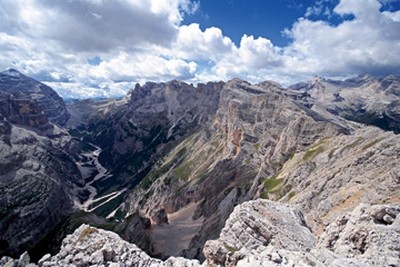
<point x="317" y="80"/>
<point x="236" y="83"/>
<point x="28" y="102"/>
<point x="269" y="84"/>
<point x="12" y="73"/>
<point x="391" y="85"/>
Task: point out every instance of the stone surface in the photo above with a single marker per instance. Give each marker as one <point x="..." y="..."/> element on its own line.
<point x="256" y="227"/>
<point x="160" y="217"/>
<point x="369" y="234"/>
<point x="36" y="176"/>
<point x="89" y="246"/>
<point x="258" y="233"/>
<point x="264" y="233"/>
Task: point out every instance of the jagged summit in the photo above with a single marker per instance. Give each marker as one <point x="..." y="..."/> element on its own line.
<point x="12" y="72"/>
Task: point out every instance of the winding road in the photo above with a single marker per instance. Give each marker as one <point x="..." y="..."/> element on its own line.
<point x="93" y="161"/>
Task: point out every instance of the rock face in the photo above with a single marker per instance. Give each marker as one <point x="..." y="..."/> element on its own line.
<point x="260" y="228"/>
<point x="258" y="233"/>
<point x="336" y="174"/>
<point x="26" y="101"/>
<point x="368" y="235"/>
<point x="36" y="170"/>
<point x="35" y="178"/>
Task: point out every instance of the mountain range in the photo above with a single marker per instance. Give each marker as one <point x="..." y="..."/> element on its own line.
<point x="223" y="172"/>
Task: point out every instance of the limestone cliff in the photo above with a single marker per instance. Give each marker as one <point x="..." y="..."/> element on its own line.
<point x="255" y="129"/>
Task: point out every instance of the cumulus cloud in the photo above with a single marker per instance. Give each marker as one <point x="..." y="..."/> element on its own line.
<point x="193" y="43"/>
<point x="365" y="44"/>
<point x="96" y="26"/>
<point x="250" y="59"/>
<point x="142" y="66"/>
<point x="53" y="40"/>
<point x="142" y="40"/>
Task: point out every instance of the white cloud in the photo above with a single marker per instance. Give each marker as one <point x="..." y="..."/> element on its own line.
<point x="142" y="40"/>
<point x="126" y="67"/>
<point x="193" y="43"/>
<point x="250" y="60"/>
<point x="319" y="8"/>
<point x="394" y="16"/>
<point x="52" y="40"/>
<point x="366" y="44"/>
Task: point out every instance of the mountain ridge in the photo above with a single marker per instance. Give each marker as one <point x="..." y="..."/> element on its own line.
<point x="177" y="153"/>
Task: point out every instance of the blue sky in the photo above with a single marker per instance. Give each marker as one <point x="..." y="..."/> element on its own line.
<point x="92" y="48"/>
<point x="265" y="18"/>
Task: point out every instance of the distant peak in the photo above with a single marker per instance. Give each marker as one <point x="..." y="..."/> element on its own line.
<point x="367" y="77"/>
<point x="12" y="72"/>
<point x="269" y="83"/>
<point x="391" y="77"/>
<point x="237" y="82"/>
<point x="316" y="79"/>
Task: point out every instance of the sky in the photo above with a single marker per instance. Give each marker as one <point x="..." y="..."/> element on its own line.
<point x="102" y="48"/>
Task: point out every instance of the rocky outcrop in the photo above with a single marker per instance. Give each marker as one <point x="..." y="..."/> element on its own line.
<point x="26" y="101"/>
<point x="160" y="217"/>
<point x="369" y="235"/>
<point x="263" y="233"/>
<point x="336" y="174"/>
<point x="24" y="111"/>
<point x="258" y="233"/>
<point x="89" y="246"/>
<point x="261" y="229"/>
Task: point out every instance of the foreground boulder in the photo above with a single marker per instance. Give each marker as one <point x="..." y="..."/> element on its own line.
<point x="89" y="246"/>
